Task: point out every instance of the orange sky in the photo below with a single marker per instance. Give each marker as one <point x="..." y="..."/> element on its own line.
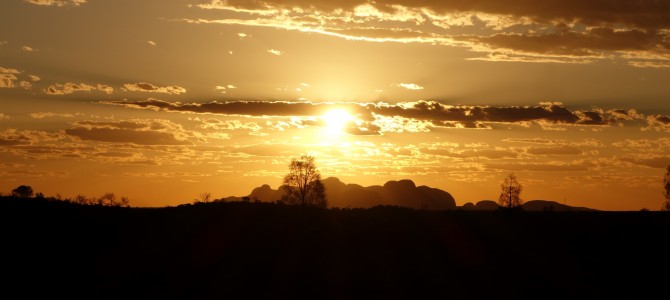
<point x="161" y="101"/>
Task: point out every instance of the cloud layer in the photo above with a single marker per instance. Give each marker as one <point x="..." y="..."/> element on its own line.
<point x="140" y="132"/>
<point x="57" y="3"/>
<point x="376" y="118"/>
<point x="69" y="88"/>
<point x="637" y="32"/>
<point x="151" y="88"/>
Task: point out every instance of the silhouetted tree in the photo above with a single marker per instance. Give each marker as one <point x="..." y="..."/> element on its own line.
<point x="83" y="200"/>
<point x="303" y="184"/>
<point x="23" y="191"/>
<point x="666" y="190"/>
<point x="511" y="192"/>
<point x="109" y="199"/>
<point x="205" y="197"/>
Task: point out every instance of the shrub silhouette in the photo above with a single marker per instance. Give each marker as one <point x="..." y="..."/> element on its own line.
<point x="109" y="199"/>
<point x="23" y="191"/>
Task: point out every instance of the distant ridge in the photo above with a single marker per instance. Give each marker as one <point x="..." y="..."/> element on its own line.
<point x="399" y="193"/>
<point x="402" y="192"/>
<point x="531" y="205"/>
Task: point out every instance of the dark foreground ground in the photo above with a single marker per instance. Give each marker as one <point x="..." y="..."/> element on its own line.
<point x="252" y="250"/>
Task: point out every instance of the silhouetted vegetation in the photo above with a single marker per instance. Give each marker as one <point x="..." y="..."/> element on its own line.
<point x="107" y="199"/>
<point x="23" y="191"/>
<point x="666" y="190"/>
<point x="510" y="196"/>
<point x="303" y="184"/>
<point x="263" y="250"/>
<point x="203" y="198"/>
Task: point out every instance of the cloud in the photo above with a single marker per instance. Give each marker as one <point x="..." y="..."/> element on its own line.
<point x="152" y="43"/>
<point x="223" y="89"/>
<point x="150" y="88"/>
<point x="140" y="132"/>
<point x="105" y="88"/>
<point x="7" y="80"/>
<point x="377" y="118"/>
<point x="544" y="141"/>
<point x="69" y="88"/>
<point x="660" y="145"/>
<point x="166" y="174"/>
<point x="42" y="115"/>
<point x="9" y="71"/>
<point x="566" y="42"/>
<point x="649" y="160"/>
<point x="562" y="150"/>
<point x="541" y="141"/>
<point x="658" y="123"/>
<point x="410" y="86"/>
<point x="363" y="128"/>
<point x="29" y="173"/>
<point x="217" y="124"/>
<point x="240" y="108"/>
<point x="555" y="166"/>
<point x="4" y="117"/>
<point x="636" y="32"/>
<point x="57" y="3"/>
<point x="25" y="85"/>
<point x="617" y="115"/>
<point x="28" y="49"/>
<point x="275" y="52"/>
<point x="401" y="124"/>
<point x="14" y="137"/>
<point x="443" y="114"/>
<point x="7" y="77"/>
<point x="484" y="153"/>
<point x="643" y="14"/>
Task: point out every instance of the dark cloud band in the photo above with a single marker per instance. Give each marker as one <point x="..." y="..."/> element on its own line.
<point x="435" y="113"/>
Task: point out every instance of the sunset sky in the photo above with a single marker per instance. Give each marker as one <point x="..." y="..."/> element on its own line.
<point x="161" y="101"/>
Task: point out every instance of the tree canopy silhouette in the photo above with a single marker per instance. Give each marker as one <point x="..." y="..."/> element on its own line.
<point x="510" y="196"/>
<point x="666" y="190"/>
<point x="303" y="184"/>
<point x="23" y="191"/>
<point x="110" y="199"/>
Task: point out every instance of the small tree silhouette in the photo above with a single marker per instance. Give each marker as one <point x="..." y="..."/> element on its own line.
<point x="83" y="200"/>
<point x="303" y="184"/>
<point x="511" y="192"/>
<point x="205" y="197"/>
<point x="666" y="190"/>
<point x="109" y="199"/>
<point x="23" y="191"/>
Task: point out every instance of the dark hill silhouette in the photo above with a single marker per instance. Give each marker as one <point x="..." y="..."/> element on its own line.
<point x="221" y="250"/>
<point x="398" y="193"/>
<point x="534" y="205"/>
<point x="531" y="205"/>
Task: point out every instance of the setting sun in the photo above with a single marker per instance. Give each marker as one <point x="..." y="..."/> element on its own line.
<point x="336" y="120"/>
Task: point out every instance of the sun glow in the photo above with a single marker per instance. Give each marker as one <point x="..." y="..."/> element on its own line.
<point x="335" y="121"/>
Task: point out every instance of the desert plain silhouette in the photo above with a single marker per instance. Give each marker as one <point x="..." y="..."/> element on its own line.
<point x="425" y="247"/>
